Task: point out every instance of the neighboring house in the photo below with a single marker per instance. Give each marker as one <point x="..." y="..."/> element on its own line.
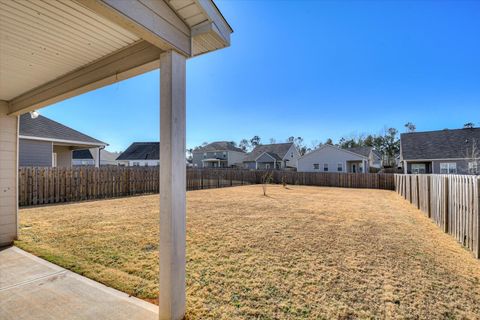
<point x="144" y="154"/>
<point x="443" y="151"/>
<point x="108" y="158"/>
<point x="220" y="154"/>
<point x="47" y="143"/>
<point x="272" y="156"/>
<point x="374" y="156"/>
<point x="330" y="158"/>
<point x="83" y="158"/>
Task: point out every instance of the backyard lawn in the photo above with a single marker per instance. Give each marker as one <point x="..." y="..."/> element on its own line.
<point x="300" y="252"/>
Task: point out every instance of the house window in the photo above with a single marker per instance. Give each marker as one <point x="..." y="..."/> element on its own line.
<point x="204" y="155"/>
<point x="473" y="167"/>
<point x="316" y="166"/>
<point x="291" y="155"/>
<point x="418" y="168"/>
<point x="325" y="167"/>
<point x="267" y="166"/>
<point x="136" y="164"/>
<point x="224" y="154"/>
<point x="448" y="168"/>
<point x="340" y="167"/>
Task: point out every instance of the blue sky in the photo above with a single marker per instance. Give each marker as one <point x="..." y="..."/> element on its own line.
<point x="318" y="70"/>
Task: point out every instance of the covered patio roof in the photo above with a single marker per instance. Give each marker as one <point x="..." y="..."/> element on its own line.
<point x="54" y="50"/>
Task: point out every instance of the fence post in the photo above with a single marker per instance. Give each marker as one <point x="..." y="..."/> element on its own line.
<point x="447" y="205"/>
<point x="429" y="202"/>
<point x="476" y="250"/>
<point x="418" y="191"/>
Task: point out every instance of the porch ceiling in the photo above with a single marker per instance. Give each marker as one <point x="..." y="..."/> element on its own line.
<point x="41" y="41"/>
<point x="54" y="50"/>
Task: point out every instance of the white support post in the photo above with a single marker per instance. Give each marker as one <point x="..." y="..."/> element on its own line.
<point x="96" y="156"/>
<point x="172" y="186"/>
<point x="8" y="177"/>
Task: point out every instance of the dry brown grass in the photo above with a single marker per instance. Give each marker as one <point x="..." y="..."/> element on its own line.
<point x="301" y="252"/>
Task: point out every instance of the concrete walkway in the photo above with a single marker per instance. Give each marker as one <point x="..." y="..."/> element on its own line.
<point x="32" y="288"/>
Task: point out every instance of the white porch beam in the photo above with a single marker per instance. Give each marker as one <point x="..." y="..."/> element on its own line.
<point x="172" y="186"/>
<point x="153" y="21"/>
<point x="8" y="176"/>
<point x="126" y="63"/>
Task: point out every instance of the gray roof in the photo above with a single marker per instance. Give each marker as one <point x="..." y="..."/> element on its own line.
<point x="141" y="151"/>
<point x="277" y="150"/>
<point x="84" y="154"/>
<point x="218" y="146"/>
<point x="442" y="144"/>
<point x="42" y="127"/>
<point x="363" y="151"/>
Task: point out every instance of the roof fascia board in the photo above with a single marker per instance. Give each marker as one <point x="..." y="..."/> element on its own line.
<point x="74" y="142"/>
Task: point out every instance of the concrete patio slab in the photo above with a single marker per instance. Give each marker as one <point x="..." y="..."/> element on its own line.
<point x="32" y="288"/>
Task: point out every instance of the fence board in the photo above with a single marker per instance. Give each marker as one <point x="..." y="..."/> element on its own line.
<point x="451" y="201"/>
<point x="57" y="185"/>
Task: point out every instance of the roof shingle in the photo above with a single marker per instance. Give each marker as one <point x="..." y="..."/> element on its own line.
<point x="141" y="151"/>
<point x="43" y="127"/>
<point x="218" y="146"/>
<point x="442" y="144"/>
<point x="278" y="149"/>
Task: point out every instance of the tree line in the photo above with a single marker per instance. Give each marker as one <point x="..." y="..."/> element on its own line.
<point x="387" y="141"/>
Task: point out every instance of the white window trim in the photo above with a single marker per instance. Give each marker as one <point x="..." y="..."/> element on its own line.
<point x="450" y="167"/>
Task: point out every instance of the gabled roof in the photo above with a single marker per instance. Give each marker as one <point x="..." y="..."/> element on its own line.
<point x="278" y="149"/>
<point x="442" y="144"/>
<point x="82" y="155"/>
<point x="108" y="156"/>
<point x="141" y="151"/>
<point x="364" y="151"/>
<point x="218" y="146"/>
<point x="46" y="129"/>
<point x="336" y="149"/>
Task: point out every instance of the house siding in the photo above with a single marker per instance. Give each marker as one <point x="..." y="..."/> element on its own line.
<point x="235" y="158"/>
<point x="34" y="153"/>
<point x="64" y="156"/>
<point x="462" y="165"/>
<point x="266" y="158"/>
<point x="326" y="155"/>
<point x="291" y="157"/>
<point x="199" y="156"/>
<point x="8" y="178"/>
<point x="434" y="166"/>
<point x="250" y="165"/>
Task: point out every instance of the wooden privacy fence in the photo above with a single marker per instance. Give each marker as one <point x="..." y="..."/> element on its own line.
<point x="451" y="201"/>
<point x="56" y="185"/>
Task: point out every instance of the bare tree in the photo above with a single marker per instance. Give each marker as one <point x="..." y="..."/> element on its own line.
<point x="267" y="178"/>
<point x="473" y="157"/>
<point x="410" y="127"/>
<point x="244" y="145"/>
